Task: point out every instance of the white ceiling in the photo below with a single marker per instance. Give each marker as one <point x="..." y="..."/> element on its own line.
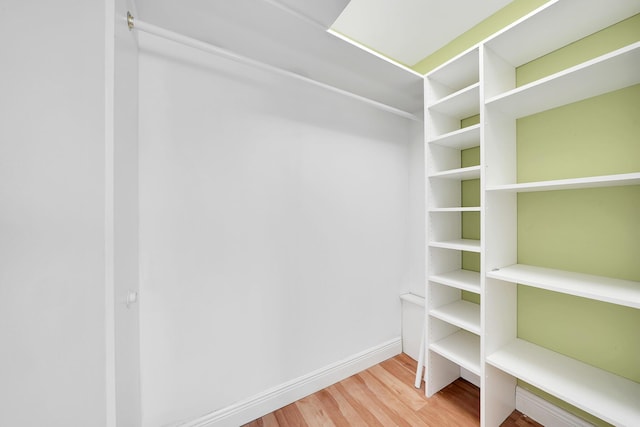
<point x="410" y="30"/>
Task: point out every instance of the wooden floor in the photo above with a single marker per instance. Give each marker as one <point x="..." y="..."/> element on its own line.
<point x="384" y="396"/>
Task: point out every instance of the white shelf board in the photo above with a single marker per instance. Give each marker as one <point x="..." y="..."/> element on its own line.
<point x="462" y="348"/>
<point x="463" y="314"/>
<point x="458" y="244"/>
<point x="472" y="172"/>
<point x="461" y="104"/>
<point x="615" y="291"/>
<point x="461" y="209"/>
<point x="461" y="279"/>
<point x="462" y="138"/>
<point x="413" y="299"/>
<point x="572" y="183"/>
<point x="546" y="29"/>
<point x="603" y="394"/>
<point x="609" y="72"/>
<point x="459" y="72"/>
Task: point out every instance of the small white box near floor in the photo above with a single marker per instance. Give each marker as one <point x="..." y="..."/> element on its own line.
<point x="412" y="324"/>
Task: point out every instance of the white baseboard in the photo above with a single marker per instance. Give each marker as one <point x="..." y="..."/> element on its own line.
<point x="545" y="412"/>
<point x="284" y="394"/>
<point x="470" y="376"/>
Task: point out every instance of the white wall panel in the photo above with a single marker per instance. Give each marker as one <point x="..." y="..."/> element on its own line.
<point x="274" y="230"/>
<point x="123" y="173"/>
<point x="52" y="300"/>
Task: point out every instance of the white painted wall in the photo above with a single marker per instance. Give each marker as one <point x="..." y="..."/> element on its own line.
<point x="52" y="298"/>
<point x="415" y="278"/>
<point x="122" y="188"/>
<point x="274" y="224"/>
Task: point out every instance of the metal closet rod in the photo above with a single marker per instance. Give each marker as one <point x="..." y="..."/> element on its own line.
<point x="209" y="48"/>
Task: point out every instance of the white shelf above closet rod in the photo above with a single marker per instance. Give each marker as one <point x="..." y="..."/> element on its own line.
<point x="136" y="24"/>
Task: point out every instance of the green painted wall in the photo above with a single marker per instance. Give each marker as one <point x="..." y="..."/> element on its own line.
<point x="595" y="231"/>
<point x="597" y="136"/>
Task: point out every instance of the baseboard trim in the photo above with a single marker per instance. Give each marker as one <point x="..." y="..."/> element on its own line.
<point x="545" y="412"/>
<point x="279" y="396"/>
<point x="470" y="376"/>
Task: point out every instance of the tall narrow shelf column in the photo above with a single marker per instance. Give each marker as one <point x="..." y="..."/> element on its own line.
<point x="452" y="93"/>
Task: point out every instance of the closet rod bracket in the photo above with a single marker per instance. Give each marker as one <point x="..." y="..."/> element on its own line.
<point x="130" y="20"/>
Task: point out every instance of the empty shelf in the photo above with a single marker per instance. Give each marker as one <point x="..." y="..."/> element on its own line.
<point x="472" y="172"/>
<point x="462" y="348"/>
<point x="463" y="314"/>
<point x="459" y="244"/>
<point x="462" y="138"/>
<point x="571" y="184"/>
<point x="601" y="393"/>
<point x="615" y="70"/>
<point x="462" y="104"/>
<point x="523" y="41"/>
<point x="461" y="209"/>
<point x="462" y="279"/>
<point x="615" y="291"/>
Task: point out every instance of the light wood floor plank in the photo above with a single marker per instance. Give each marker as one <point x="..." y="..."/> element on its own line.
<point x="290" y="416"/>
<point x="384" y="396"/>
<point x="314" y="412"/>
<point x="406" y="392"/>
<point x="357" y="390"/>
<point x="402" y="412"/>
<point x="363" y="411"/>
<point x="341" y="412"/>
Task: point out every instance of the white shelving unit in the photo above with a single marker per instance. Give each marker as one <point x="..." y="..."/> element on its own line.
<point x="453" y="325"/>
<point x="483" y="339"/>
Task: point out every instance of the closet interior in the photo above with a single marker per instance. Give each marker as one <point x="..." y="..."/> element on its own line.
<point x="251" y="140"/>
<point x="212" y="209"/>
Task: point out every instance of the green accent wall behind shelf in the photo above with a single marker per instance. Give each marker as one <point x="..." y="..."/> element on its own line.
<point x="597" y="136"/>
<point x="593" y="231"/>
